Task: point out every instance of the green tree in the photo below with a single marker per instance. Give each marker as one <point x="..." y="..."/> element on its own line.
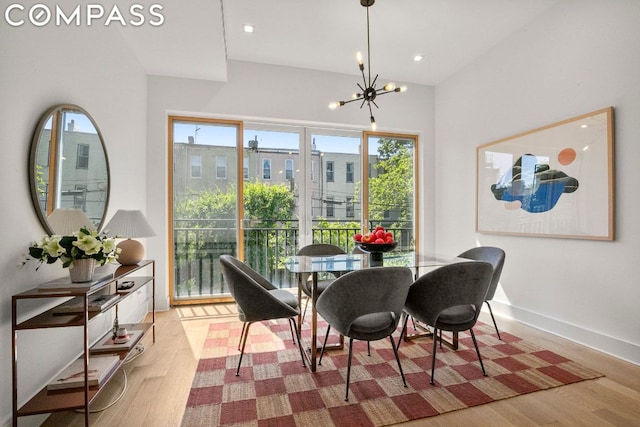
<point x="337" y="233"/>
<point x="392" y="189"/>
<point x="268" y="203"/>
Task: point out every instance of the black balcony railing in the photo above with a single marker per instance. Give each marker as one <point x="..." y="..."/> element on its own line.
<point x="199" y="243"/>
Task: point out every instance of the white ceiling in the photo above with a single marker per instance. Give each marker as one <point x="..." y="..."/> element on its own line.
<point x="198" y="36"/>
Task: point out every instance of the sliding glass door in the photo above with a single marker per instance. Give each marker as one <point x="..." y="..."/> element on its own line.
<point x="392" y="186"/>
<point x="261" y="191"/>
<point x="204" y="205"/>
<point x="335" y="190"/>
<point x="272" y="181"/>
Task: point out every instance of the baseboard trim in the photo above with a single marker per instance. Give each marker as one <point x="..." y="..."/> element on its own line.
<point x="606" y="344"/>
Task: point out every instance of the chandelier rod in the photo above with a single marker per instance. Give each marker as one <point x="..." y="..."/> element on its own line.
<point x="368" y="48"/>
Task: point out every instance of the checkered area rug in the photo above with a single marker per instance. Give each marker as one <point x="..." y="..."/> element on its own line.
<point x="274" y="389"/>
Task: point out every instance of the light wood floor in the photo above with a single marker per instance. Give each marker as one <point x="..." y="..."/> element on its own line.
<point x="159" y="382"/>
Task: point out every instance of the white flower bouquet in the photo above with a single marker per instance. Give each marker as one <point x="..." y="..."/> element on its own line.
<point x="83" y="244"/>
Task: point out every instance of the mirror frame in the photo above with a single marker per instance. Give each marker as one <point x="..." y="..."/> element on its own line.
<point x="33" y="158"/>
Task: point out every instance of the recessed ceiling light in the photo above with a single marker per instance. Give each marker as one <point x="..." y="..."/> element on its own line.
<point x="417" y="58"/>
<point x="248" y="28"/>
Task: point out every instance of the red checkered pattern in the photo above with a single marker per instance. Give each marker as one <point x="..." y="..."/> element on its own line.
<point x="274" y="389"/>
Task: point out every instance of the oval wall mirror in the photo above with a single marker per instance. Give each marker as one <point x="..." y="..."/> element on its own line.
<point x="68" y="171"/>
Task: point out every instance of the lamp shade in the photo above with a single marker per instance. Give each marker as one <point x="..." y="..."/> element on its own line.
<point x="128" y="224"/>
<point x="64" y="221"/>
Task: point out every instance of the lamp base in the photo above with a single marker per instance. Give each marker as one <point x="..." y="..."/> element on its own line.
<point x="131" y="252"/>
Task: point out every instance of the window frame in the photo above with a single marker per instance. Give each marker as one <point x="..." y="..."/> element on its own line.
<point x="82" y="156"/>
<point x="330" y="170"/>
<point x="193" y="157"/>
<point x="266" y="161"/>
<point x="224" y="167"/>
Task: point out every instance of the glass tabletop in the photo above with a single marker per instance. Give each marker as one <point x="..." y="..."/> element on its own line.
<point x="350" y="262"/>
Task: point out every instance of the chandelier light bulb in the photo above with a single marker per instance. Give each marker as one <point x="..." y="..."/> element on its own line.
<point x="368" y="91"/>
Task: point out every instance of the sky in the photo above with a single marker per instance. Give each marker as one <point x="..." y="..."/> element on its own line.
<point x="217" y="134"/>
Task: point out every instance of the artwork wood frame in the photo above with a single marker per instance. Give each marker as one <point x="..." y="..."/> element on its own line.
<point x="553" y="181"/>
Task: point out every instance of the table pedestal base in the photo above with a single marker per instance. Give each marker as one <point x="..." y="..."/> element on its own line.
<point x="423" y="331"/>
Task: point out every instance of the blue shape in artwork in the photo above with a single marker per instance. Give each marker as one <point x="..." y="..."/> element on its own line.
<point x="536" y="186"/>
<point x="542" y="200"/>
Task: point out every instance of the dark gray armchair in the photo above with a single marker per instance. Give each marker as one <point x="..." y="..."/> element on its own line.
<point x="495" y="257"/>
<point x="450" y="298"/>
<point x="366" y="305"/>
<point x="258" y="300"/>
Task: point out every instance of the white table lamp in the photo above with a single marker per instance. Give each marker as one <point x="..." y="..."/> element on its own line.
<point x="129" y="224"/>
<point x="64" y="222"/>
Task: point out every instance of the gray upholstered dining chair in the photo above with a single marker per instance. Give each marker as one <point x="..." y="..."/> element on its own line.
<point x="317" y="249"/>
<point x="449" y="298"/>
<point x="258" y="300"/>
<point x="494" y="256"/>
<point x="366" y="305"/>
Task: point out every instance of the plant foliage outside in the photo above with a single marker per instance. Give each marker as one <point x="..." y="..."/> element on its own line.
<point x="83" y="244"/>
<point x="392" y="189"/>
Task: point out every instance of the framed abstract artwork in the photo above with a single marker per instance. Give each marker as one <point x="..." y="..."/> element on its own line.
<point x="554" y="181"/>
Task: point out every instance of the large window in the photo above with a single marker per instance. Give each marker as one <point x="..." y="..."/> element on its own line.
<point x="260" y="191"/>
<point x="392" y="184"/>
<point x="204" y="218"/>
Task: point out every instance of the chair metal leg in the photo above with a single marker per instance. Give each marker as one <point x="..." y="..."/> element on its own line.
<point x="295" y="327"/>
<point x="244" y="326"/>
<point x="403" y="331"/>
<point x="244" y="342"/>
<point x="346" y="398"/>
<point x="304" y="312"/>
<point x="368" y="349"/>
<point x="433" y="356"/>
<point x="395" y="352"/>
<point x="291" y="326"/>
<point x="473" y="337"/>
<point x="324" y="344"/>
<point x="495" y="325"/>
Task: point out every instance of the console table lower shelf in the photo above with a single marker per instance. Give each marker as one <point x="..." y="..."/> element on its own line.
<point x="49" y="401"/>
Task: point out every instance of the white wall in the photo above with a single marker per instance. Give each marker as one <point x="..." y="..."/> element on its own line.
<point x="272" y="92"/>
<point x="580" y="57"/>
<point x="40" y="67"/>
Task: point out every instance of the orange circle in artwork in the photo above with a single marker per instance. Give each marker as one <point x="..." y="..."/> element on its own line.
<point x="567" y="156"/>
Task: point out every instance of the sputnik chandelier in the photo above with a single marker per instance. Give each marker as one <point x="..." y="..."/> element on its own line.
<point x="368" y="89"/>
